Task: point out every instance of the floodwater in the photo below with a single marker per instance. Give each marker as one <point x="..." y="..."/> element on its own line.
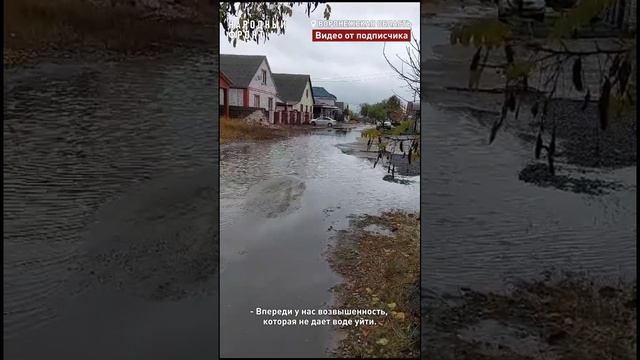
<point x="483" y="227"/>
<point x="274" y="257"/>
<point x="110" y="210"/>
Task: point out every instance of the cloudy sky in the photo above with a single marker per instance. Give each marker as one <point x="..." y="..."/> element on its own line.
<point x="355" y="72"/>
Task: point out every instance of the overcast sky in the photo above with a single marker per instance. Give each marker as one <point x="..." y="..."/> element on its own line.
<point x="355" y="72"/>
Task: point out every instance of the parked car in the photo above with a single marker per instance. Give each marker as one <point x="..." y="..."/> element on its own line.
<point x="528" y="9"/>
<point x="323" y="121"/>
<point x="386" y="125"/>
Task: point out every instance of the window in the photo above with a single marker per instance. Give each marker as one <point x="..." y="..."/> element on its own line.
<point x="236" y="97"/>
<point x="301" y="107"/>
<point x="264" y="77"/>
<point x="256" y="100"/>
<point x="307" y="93"/>
<point x="270" y="103"/>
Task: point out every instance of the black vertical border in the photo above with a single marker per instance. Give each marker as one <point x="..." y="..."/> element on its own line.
<point x="422" y="152"/>
<point x="216" y="44"/>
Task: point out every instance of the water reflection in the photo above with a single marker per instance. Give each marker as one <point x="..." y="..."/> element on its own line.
<point x="77" y="136"/>
<point x="280" y="262"/>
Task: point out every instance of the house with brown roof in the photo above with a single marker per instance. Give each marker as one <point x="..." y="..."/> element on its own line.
<point x="295" y="99"/>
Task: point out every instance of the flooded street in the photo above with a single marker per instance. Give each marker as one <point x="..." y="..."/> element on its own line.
<point x="110" y="186"/>
<point x="273" y="246"/>
<point x="482" y="226"/>
<point x="486" y="232"/>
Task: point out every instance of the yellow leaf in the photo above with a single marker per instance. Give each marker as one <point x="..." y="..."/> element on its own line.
<point x="382" y="341"/>
<point x="399" y="315"/>
<point x="391" y="305"/>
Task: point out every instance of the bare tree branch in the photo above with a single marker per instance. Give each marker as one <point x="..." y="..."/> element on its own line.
<point x="412" y="76"/>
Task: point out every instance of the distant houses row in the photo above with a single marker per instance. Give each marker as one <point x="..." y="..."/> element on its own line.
<point x="249" y="90"/>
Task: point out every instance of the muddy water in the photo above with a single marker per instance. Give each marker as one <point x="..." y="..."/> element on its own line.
<point x="483" y="227"/>
<point x="109" y="178"/>
<point x="279" y="261"/>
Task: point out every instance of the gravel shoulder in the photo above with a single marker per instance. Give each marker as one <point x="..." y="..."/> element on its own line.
<point x="378" y="258"/>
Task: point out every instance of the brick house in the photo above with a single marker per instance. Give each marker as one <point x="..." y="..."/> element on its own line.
<point x="251" y="84"/>
<point x="295" y="99"/>
<point x="224" y="86"/>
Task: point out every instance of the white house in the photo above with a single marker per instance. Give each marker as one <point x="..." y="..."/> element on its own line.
<point x="252" y="84"/>
<point x="295" y="94"/>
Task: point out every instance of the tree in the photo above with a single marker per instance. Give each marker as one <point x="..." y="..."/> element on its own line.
<point x="394" y="109"/>
<point x="402" y="139"/>
<point x="378" y="111"/>
<point x="261" y="13"/>
<point x="527" y="56"/>
<point x="364" y="109"/>
<point x="408" y="69"/>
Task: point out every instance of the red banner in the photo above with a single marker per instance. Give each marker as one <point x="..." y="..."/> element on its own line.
<point x="361" y="35"/>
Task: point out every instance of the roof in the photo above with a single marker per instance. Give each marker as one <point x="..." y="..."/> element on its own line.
<point x="240" y="69"/>
<point x="291" y="86"/>
<point x="225" y="78"/>
<point x="322" y="93"/>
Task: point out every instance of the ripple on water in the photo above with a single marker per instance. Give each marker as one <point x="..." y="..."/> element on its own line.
<point x="482" y="225"/>
<point x="284" y="256"/>
<point x="75" y="136"/>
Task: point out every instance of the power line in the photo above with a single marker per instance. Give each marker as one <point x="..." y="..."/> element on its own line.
<point x="355" y="79"/>
<point x="346" y="77"/>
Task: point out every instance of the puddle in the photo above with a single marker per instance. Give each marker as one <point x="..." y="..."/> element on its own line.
<point x="280" y="262"/>
<point x="275" y="197"/>
<point x="485" y="227"/>
<point x="98" y="145"/>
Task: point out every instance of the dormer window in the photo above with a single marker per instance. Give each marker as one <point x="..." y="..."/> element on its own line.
<point x="264" y="77"/>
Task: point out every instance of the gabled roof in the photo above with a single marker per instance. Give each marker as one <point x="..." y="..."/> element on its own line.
<point x="240" y="69"/>
<point x="291" y="86"/>
<point x="225" y="78"/>
<point x="323" y="93"/>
